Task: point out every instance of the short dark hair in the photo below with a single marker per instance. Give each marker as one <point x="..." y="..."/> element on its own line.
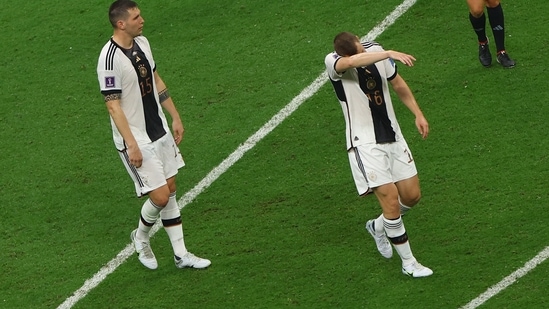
<point x="345" y="44"/>
<point x="119" y="10"/>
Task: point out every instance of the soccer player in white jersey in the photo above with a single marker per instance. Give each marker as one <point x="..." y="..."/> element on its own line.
<point x="135" y="96"/>
<point x="380" y="159"/>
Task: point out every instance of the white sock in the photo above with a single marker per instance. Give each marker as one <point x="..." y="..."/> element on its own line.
<point x="397" y="235"/>
<point x="171" y="219"/>
<point x="378" y="225"/>
<point x="149" y="215"/>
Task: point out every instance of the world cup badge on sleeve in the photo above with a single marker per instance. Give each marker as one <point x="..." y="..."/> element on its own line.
<point x="109" y="82"/>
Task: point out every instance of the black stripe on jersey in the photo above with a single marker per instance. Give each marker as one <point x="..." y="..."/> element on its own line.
<point x="144" y="72"/>
<point x="109" y="63"/>
<point x="132" y="168"/>
<point x="338" y="88"/>
<point x="107" y="92"/>
<point x="369" y="44"/>
<point x="394" y="75"/>
<point x="340" y="94"/>
<point x="371" y="83"/>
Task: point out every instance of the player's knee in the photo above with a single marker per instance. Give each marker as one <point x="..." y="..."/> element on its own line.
<point x="160" y="200"/>
<point x="160" y="196"/>
<point x="492" y="3"/>
<point x="477" y="12"/>
<point x="164" y="202"/>
<point x="411" y="200"/>
<point x="417" y="198"/>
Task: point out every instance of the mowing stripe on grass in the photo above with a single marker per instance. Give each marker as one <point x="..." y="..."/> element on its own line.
<point x="507" y="281"/>
<point x="306" y="93"/>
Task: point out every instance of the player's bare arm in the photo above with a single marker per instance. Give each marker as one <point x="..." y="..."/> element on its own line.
<point x="407" y="97"/>
<point x="368" y="58"/>
<point x="115" y="110"/>
<point x="167" y="103"/>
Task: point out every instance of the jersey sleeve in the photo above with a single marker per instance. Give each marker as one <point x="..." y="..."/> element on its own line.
<point x="330" y="62"/>
<point x="389" y="64"/>
<point x="390" y="67"/>
<point x="109" y="79"/>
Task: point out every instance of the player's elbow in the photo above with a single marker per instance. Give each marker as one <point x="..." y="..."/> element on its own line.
<point x="113" y="107"/>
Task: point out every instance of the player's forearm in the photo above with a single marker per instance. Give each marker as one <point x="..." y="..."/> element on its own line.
<point x="413" y="106"/>
<point x="122" y="125"/>
<point x="360" y="60"/>
<point x="169" y="106"/>
<point x="368" y="58"/>
<point x="405" y="95"/>
<point x="165" y="98"/>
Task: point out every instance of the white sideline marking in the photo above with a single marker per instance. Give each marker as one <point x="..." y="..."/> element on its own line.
<point x="507" y="281"/>
<point x="306" y="93"/>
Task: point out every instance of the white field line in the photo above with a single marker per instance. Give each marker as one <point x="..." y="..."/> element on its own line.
<point x="305" y="94"/>
<point x="507" y="281"/>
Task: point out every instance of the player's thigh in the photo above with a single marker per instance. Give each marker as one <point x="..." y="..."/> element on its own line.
<point x="171" y="184"/>
<point x="150" y="175"/>
<point x="168" y="152"/>
<point x="405" y="173"/>
<point x="402" y="162"/>
<point x="387" y="196"/>
<point x="409" y="191"/>
<point x="370" y="166"/>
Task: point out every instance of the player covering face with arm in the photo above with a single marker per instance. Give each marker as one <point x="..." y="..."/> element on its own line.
<point x="380" y="159"/>
<point x="355" y="56"/>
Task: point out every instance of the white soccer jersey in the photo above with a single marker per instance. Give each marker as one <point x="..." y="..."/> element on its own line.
<point x="365" y="99"/>
<point x="131" y="74"/>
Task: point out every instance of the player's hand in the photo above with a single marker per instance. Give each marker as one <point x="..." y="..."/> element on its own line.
<point x="135" y="156"/>
<point x="402" y="57"/>
<point x="422" y="126"/>
<point x="178" y="131"/>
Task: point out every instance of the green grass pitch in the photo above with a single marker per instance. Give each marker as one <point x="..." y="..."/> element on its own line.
<point x="283" y="226"/>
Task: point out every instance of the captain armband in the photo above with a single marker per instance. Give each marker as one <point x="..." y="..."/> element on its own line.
<point x="163" y="95"/>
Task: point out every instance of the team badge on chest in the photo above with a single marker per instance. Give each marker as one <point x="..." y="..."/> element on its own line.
<point x="371" y="84"/>
<point x="143" y="70"/>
